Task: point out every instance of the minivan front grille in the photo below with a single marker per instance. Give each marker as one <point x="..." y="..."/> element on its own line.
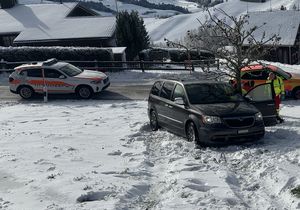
<point x="239" y="122"/>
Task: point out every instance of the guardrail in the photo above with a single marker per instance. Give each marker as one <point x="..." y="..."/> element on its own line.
<point x="6" y="66"/>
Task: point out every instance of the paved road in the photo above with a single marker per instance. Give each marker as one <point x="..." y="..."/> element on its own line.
<point x="114" y="92"/>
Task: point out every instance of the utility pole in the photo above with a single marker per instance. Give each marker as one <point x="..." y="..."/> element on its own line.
<point x="271" y="5"/>
<point x="117" y="9"/>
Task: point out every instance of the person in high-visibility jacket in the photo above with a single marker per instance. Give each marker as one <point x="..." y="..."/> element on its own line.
<point x="278" y="86"/>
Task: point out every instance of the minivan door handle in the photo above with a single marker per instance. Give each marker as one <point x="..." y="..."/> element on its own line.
<point x="167" y="105"/>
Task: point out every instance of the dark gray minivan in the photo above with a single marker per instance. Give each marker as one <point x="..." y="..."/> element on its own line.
<point x="211" y="112"/>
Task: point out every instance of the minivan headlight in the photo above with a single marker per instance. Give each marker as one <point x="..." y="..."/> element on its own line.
<point x="258" y="116"/>
<point x="211" y="119"/>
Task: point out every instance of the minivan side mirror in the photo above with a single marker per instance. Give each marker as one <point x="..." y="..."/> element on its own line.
<point x="62" y="77"/>
<point x="179" y="101"/>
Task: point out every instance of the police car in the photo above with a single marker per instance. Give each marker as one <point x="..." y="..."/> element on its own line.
<point x="56" y="78"/>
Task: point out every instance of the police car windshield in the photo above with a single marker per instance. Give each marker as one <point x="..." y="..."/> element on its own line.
<point x="70" y="70"/>
<point x="212" y="93"/>
<point x="285" y="74"/>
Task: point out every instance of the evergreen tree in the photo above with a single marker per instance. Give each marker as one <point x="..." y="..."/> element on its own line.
<point x="131" y="33"/>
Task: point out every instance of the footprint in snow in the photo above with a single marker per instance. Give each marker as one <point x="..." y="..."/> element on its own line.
<point x="200" y="188"/>
<point x="41" y="120"/>
<point x="148" y="163"/>
<point x="70" y="149"/>
<point x="192" y="168"/>
<point x="134" y="124"/>
<point x="128" y="154"/>
<point x="115" y="153"/>
<point x="198" y="185"/>
<point x="95" y="196"/>
<point x="110" y="172"/>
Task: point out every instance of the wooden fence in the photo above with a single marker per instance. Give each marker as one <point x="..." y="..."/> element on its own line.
<point x="111" y="66"/>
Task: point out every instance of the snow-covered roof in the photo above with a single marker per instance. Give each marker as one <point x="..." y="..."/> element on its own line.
<point x="283" y="23"/>
<point x="50" y="21"/>
<point x="21" y="17"/>
<point x="71" y="28"/>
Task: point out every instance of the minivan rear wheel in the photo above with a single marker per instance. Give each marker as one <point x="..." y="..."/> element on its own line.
<point x="153" y="121"/>
<point x="191" y="132"/>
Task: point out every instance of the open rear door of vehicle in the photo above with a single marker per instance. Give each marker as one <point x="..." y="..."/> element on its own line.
<point x="262" y="97"/>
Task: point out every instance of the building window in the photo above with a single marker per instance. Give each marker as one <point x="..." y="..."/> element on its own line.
<point x="7" y="40"/>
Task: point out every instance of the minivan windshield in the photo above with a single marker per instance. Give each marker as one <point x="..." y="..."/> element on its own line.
<point x="209" y="93"/>
<point x="70" y="70"/>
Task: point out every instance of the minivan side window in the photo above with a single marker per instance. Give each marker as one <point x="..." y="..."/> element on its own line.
<point x="156" y="88"/>
<point x="32" y="72"/>
<point x="178" y="92"/>
<point x="261" y="92"/>
<point x="166" y="90"/>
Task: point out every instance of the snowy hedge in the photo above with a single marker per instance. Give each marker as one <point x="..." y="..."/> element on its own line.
<point x="14" y="54"/>
<point x="174" y="54"/>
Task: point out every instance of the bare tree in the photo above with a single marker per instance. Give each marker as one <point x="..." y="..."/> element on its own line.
<point x="233" y="41"/>
<point x="188" y="62"/>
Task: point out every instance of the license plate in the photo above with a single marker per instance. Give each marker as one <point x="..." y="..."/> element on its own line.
<point x="242" y="131"/>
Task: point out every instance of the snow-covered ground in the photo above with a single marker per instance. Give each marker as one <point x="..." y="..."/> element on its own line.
<point x="102" y="155"/>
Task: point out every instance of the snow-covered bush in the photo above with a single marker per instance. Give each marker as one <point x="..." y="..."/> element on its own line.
<point x="174" y="54"/>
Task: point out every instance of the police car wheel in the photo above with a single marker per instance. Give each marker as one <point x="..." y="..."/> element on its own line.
<point x="296" y="93"/>
<point x="84" y="92"/>
<point x="26" y="92"/>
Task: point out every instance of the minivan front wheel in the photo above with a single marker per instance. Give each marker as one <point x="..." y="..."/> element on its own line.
<point x="153" y="121"/>
<point x="191" y="132"/>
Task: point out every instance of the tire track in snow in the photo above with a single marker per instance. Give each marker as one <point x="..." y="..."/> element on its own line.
<point x="156" y="164"/>
<point x="179" y="173"/>
<point x="258" y="172"/>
